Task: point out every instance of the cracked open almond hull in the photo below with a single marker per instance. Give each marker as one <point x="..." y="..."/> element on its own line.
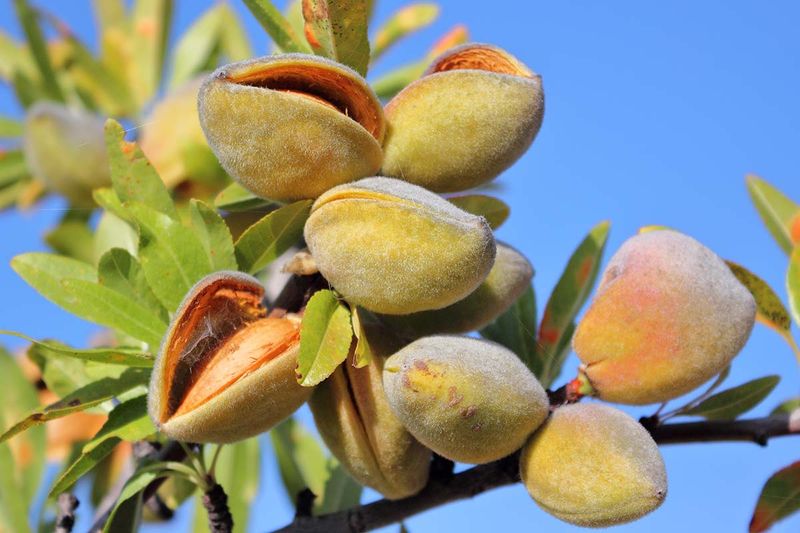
<point x="225" y="372"/>
<point x="291" y="126"/>
<point x="395" y="248"/>
<point x="475" y="111"/>
<point x="468" y="400"/>
<point x="594" y="466"/>
<point x="353" y="416"/>
<point x="668" y="316"/>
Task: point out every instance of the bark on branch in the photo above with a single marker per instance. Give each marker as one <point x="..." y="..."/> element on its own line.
<point x="442" y="489"/>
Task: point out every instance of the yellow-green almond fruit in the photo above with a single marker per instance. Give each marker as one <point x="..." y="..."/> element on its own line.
<point x="668" y="315"/>
<point x="354" y="419"/>
<point x="225" y="371"/>
<point x="594" y="466"/>
<point x="466" y="399"/>
<point x="173" y="141"/>
<point x="291" y="126"/>
<point x="508" y="279"/>
<point x="65" y="148"/>
<point x="474" y="112"/>
<point x="395" y="248"/>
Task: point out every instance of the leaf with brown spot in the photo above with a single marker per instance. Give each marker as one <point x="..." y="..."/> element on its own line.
<point x="779" y="498"/>
<point x="338" y="30"/>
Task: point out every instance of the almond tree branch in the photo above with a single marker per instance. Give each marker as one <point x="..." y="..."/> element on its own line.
<point x="446" y="488"/>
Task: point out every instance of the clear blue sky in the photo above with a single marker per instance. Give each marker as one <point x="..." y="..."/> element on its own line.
<point x="655" y="113"/>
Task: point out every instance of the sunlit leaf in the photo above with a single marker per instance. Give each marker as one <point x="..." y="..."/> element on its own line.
<point x="268" y="238"/>
<point x="128" y="421"/>
<point x="338" y="30"/>
<point x="135" y="484"/>
<point x="770" y="309"/>
<point x="215" y="236"/>
<point x="776" y="210"/>
<point x="149" y="34"/>
<point x="81" y="466"/>
<point x="12" y="166"/>
<point x="779" y="498"/>
<point x="730" y="403"/>
<point x="197" y="46"/>
<point x="233" y="39"/>
<point x="362" y="354"/>
<point x="10" y="127"/>
<point x="404" y="21"/>
<point x="494" y="210"/>
<point x="120" y="271"/>
<point x="234" y="197"/>
<point x="325" y="338"/>
<point x="516" y="330"/>
<point x="72" y="238"/>
<point x="38" y="46"/>
<point x="276" y="26"/>
<point x="129" y="357"/>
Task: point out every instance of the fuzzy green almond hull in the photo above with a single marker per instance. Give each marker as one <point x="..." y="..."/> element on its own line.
<point x="593" y="466"/>
<point x="468" y="400"/>
<point x="291" y="126"/>
<point x="395" y="248"/>
<point x="65" y="148"/>
<point x="508" y="279"/>
<point x="472" y="115"/>
<point x="353" y="417"/>
<point x="668" y="316"/>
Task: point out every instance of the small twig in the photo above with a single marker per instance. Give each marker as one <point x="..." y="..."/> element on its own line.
<point x="65" y="519"/>
<point x="304" y="503"/>
<point x="215" y="501"/>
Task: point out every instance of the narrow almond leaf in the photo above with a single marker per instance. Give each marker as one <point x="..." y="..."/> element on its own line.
<point x="770" y="310"/>
<point x="198" y="45"/>
<point x="494" y="210"/>
<point x="215" y="236"/>
<point x="132" y="176"/>
<point x="72" y="285"/>
<point x="125" y="356"/>
<point x="730" y="403"/>
<point x="109" y="13"/>
<point x="10" y="127"/>
<point x="338" y="30"/>
<point x="150" y="23"/>
<point x="362" y="354"/>
<point x="516" y="330"/>
<point x="132" y="494"/>
<point x="793" y="284"/>
<point x="276" y="26"/>
<point x="13" y="507"/>
<point x="341" y="491"/>
<point x="114" y="232"/>
<point x="267" y="239"/>
<point x="404" y="21"/>
<point x="787" y="407"/>
<point x="14" y="58"/>
<point x="23" y="459"/>
<point x="120" y="271"/>
<point x="84" y="398"/>
<point x="553" y="362"/>
<point x="107" y="199"/>
<point x="72" y="238"/>
<point x="12" y="166"/>
<point x="38" y="46"/>
<point x="779" y="498"/>
<point x="572" y="290"/>
<point x="172" y="256"/>
<point x="233" y="39"/>
<point x="234" y="198"/>
<point x="776" y="210"/>
<point x="325" y="338"/>
<point x="128" y="421"/>
<point x="84" y="464"/>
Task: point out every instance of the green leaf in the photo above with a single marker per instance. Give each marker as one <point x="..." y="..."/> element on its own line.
<point x="572" y="290"/>
<point x="120" y="271"/>
<point x="172" y="256"/>
<point x="119" y="355"/>
<point x="770" y="309"/>
<point x="325" y="338"/>
<point x="276" y="26"/>
<point x="197" y="46"/>
<point x="81" y="466"/>
<point x="516" y="330"/>
<point x="23" y="459"/>
<point x="779" y="498"/>
<point x="233" y="39"/>
<point x="127" y="516"/>
<point x="114" y="232"/>
<point x="338" y="30"/>
<point x="730" y="403"/>
<point x="234" y="198"/>
<point x="72" y="238"/>
<point x="149" y="36"/>
<point x="71" y="285"/>
<point x="84" y="398"/>
<point x="132" y="176"/>
<point x="268" y="238"/>
<point x="143" y="476"/>
<point x="793" y="284"/>
<point x="38" y="46"/>
<point x="215" y="236"/>
<point x="10" y="127"/>
<point x="341" y="491"/>
<point x="128" y="421"/>
<point x="554" y="361"/>
<point x="404" y="21"/>
<point x="776" y="210"/>
<point x="238" y="471"/>
<point x="12" y="166"/>
<point x="787" y="407"/>
<point x="494" y="210"/>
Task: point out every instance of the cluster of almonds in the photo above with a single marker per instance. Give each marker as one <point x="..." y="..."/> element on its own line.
<point x="668" y="314"/>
